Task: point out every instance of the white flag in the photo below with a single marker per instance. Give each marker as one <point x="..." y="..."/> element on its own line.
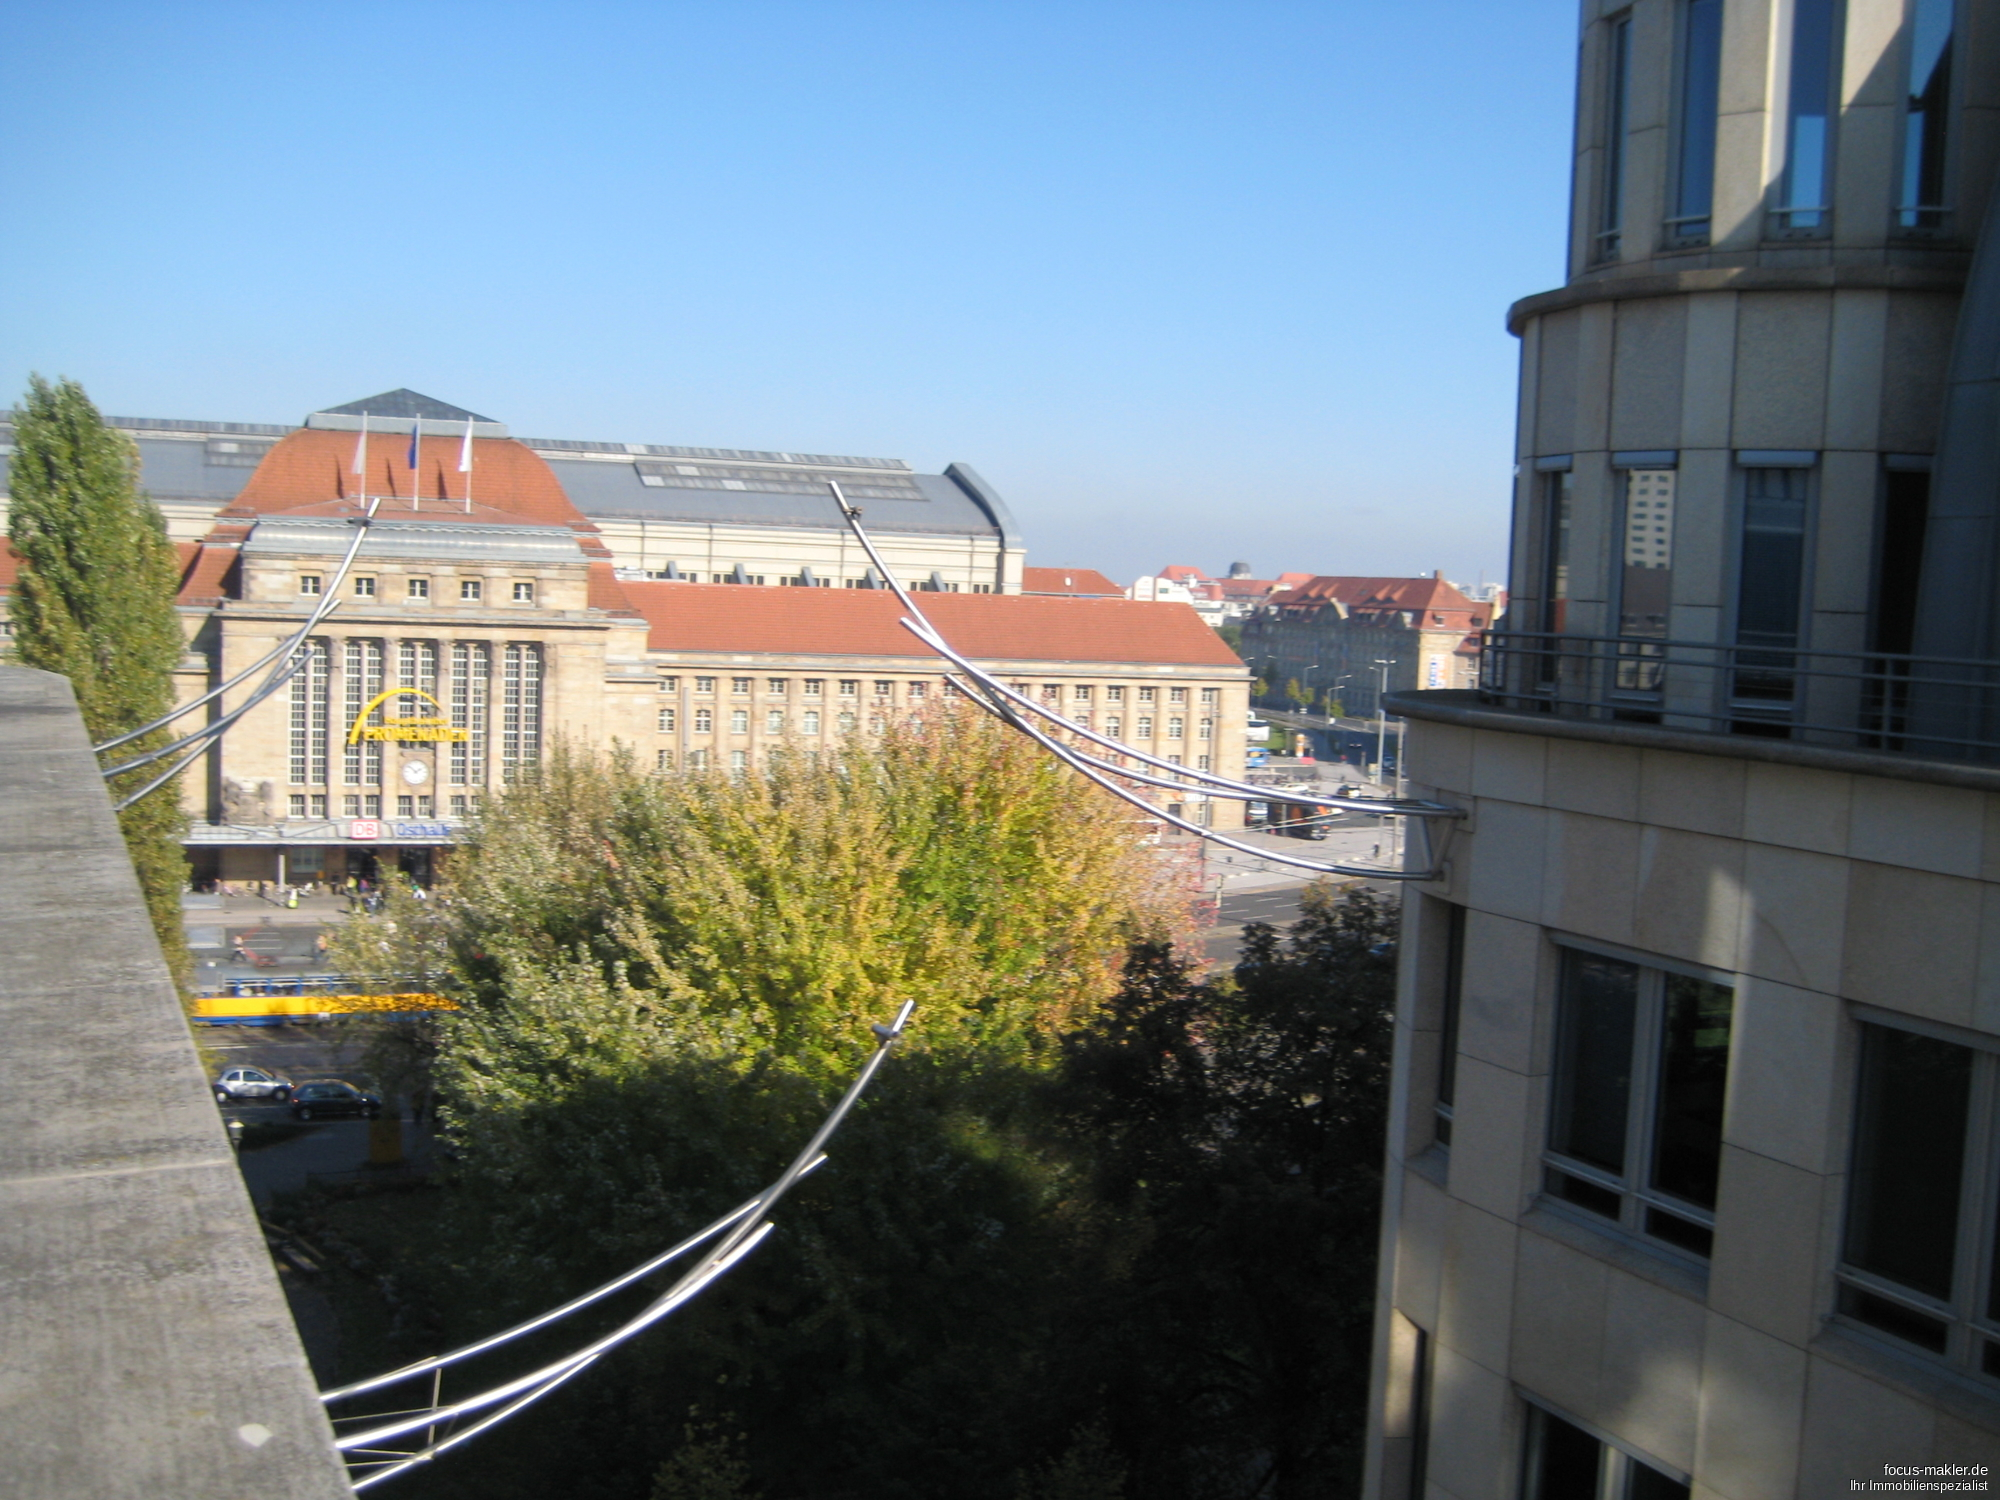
<point x="361" y="448"/>
<point x="465" y="450"/>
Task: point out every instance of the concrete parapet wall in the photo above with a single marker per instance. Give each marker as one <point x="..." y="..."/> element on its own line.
<point x="145" y="1345"/>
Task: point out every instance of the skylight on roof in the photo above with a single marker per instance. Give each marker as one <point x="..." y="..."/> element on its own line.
<point x="770" y="481"/>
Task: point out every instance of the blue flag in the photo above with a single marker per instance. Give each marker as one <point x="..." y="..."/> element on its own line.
<point x="415" y="428"/>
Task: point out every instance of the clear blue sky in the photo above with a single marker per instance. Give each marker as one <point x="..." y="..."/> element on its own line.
<point x="1186" y="282"/>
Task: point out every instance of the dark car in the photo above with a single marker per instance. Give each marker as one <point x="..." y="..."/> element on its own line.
<point x="327" y="1098"/>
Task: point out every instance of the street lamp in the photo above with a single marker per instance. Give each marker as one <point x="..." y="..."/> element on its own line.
<point x="1381" y="714"/>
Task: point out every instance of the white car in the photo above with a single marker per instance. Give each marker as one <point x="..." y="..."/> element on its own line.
<point x="238" y="1084"/>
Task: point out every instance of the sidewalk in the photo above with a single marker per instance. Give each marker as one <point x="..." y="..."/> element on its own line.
<point x="286" y="936"/>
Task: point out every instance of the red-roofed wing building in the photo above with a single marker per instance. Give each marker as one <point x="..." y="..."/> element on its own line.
<point x="1331" y="634"/>
<point x="746" y="671"/>
<point x="1074" y="582"/>
<point x="486" y="614"/>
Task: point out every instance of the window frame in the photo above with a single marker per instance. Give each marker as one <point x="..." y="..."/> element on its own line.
<point x="524" y="591"/>
<point x="1901" y="213"/>
<point x="1675" y="233"/>
<point x="1637" y="1197"/>
<point x="1641" y="670"/>
<point x="417" y="588"/>
<point x="1971" y="1339"/>
<point x="1782" y="195"/>
<point x="1615" y="101"/>
<point x="1451" y="1004"/>
<point x="309" y="584"/>
<point x="1615" y="1458"/>
<point x="1737" y="709"/>
<point x="471" y="590"/>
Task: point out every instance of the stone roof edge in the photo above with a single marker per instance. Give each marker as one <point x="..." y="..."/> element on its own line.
<point x="1461" y="707"/>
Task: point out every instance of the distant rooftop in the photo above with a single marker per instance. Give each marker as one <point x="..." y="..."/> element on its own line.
<point x="211" y="462"/>
<point x="406" y="403"/>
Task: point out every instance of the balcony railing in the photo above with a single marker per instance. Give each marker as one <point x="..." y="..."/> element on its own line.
<point x="1940" y="707"/>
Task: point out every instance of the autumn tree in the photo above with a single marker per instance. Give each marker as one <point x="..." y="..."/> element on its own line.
<point x="665" y="980"/>
<point x="94" y="602"/>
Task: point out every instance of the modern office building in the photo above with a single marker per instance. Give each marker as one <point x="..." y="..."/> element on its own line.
<point x="1694" y="1171"/>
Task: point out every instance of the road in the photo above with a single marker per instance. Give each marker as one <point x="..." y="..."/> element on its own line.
<point x="297" y="1051"/>
<point x="1224" y="941"/>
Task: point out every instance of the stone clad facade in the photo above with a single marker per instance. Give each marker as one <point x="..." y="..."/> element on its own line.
<point x="1694" y="1166"/>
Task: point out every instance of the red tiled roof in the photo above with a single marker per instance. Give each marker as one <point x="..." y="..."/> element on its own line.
<point x="1247" y="588"/>
<point x="208" y="577"/>
<point x="313" y="467"/>
<point x="863" y="622"/>
<point x="1427" y="596"/>
<point x="606" y="592"/>
<point x="1181" y="573"/>
<point x="1086" y="581"/>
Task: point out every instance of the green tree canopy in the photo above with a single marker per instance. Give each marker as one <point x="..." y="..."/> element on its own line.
<point x="664" y="981"/>
<point x="94" y="601"/>
<point x="1242" y="1123"/>
<point x="1100" y="1230"/>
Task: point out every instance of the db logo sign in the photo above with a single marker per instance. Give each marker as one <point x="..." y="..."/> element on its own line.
<point x="364" y="828"/>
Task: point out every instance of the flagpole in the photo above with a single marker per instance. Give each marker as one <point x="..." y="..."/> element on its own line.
<point x="465" y="465"/>
<point x="361" y="458"/>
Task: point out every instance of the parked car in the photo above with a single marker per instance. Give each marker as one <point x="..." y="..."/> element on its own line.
<point x="237" y="1084"/>
<point x="326" y="1098"/>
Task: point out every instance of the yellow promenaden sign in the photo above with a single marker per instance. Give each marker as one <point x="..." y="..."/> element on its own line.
<point x="437" y="730"/>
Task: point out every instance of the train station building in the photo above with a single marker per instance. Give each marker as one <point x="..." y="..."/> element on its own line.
<point x="708" y="608"/>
